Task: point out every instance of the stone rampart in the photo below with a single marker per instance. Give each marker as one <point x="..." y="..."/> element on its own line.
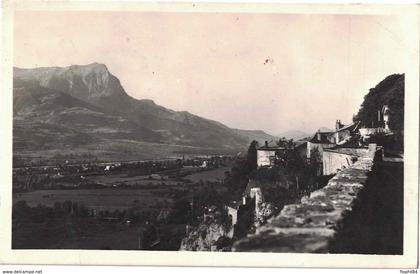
<point x="311" y="225"/>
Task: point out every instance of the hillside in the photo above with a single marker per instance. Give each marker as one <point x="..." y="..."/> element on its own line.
<point x="257" y="135"/>
<point x="82" y="107"/>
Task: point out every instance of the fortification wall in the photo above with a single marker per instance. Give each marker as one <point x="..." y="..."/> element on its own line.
<point x="334" y="162"/>
<point x="311" y="225"/>
<point x="359" y="151"/>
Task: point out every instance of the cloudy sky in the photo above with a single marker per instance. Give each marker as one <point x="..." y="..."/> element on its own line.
<point x="275" y="72"/>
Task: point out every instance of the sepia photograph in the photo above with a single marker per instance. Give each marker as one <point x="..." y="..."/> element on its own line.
<point x="204" y="131"/>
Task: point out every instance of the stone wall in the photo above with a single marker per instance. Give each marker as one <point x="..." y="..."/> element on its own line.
<point x="359" y="151"/>
<point x="310" y="226"/>
<point x="334" y="162"/>
<point x="336" y="159"/>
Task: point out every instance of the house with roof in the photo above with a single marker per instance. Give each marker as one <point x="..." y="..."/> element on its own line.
<point x="320" y="141"/>
<point x="267" y="155"/>
<point x="324" y="140"/>
<point x="343" y="133"/>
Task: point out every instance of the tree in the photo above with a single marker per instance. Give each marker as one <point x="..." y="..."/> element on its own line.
<point x="67" y="206"/>
<point x="288" y="144"/>
<point x="21" y="210"/>
<point x="181" y="213"/>
<point x="315" y="162"/>
<point x="251" y="157"/>
<point x="58" y="209"/>
<point x="83" y="211"/>
<point x="389" y="91"/>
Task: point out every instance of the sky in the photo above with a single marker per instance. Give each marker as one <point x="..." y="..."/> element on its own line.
<point x="274" y="72"/>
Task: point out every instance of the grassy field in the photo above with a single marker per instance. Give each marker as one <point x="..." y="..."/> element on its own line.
<point x="118" y="179"/>
<point x="143" y="180"/>
<point x="111" y="150"/>
<point x="214" y="175"/>
<point x="155" y="191"/>
<point x="101" y="199"/>
<point x="75" y="232"/>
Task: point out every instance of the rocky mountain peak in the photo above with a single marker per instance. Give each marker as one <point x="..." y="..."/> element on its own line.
<point x="86" y="82"/>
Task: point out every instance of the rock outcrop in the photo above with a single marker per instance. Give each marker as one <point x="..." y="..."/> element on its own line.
<point x="208" y="237"/>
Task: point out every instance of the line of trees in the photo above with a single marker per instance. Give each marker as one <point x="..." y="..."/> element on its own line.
<point x="389" y="91"/>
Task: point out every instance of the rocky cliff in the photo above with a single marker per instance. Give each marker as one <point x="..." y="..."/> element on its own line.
<point x="208" y="237"/>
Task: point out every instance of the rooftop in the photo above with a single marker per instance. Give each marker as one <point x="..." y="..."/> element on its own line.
<point x="324" y="138"/>
<point x="270" y="148"/>
<point x="351" y="127"/>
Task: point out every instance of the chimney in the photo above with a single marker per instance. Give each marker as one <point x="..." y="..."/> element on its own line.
<point x="318" y="135"/>
<point x="266" y="143"/>
<point x="338" y="125"/>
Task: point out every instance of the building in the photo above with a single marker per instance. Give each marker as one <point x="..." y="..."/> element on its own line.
<point x="232" y="210"/>
<point x="343" y="134"/>
<point x="383" y="128"/>
<point x="256" y="194"/>
<point x="324" y="140"/>
<point x="320" y="141"/>
<point x="268" y="155"/>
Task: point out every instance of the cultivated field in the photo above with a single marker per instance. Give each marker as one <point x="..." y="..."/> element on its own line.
<point x="214" y="175"/>
<point x="109" y="150"/>
<point x="149" y="192"/>
<point x="119" y="179"/>
<point x="101" y="199"/>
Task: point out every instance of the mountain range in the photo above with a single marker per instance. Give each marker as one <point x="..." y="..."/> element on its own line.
<point x="84" y="110"/>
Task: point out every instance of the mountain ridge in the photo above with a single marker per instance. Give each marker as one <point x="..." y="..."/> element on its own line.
<point x="92" y="101"/>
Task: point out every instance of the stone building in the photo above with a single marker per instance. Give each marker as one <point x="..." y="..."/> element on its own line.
<point x="340" y="136"/>
<point x="267" y="155"/>
<point x="320" y="141"/>
<point x="343" y="134"/>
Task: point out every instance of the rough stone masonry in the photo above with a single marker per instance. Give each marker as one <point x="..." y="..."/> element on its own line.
<point x="310" y="226"/>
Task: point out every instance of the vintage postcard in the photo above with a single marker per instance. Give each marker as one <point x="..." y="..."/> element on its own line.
<point x="209" y="134"/>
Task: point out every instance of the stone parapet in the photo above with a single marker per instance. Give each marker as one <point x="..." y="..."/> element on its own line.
<point x="310" y="226"/>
